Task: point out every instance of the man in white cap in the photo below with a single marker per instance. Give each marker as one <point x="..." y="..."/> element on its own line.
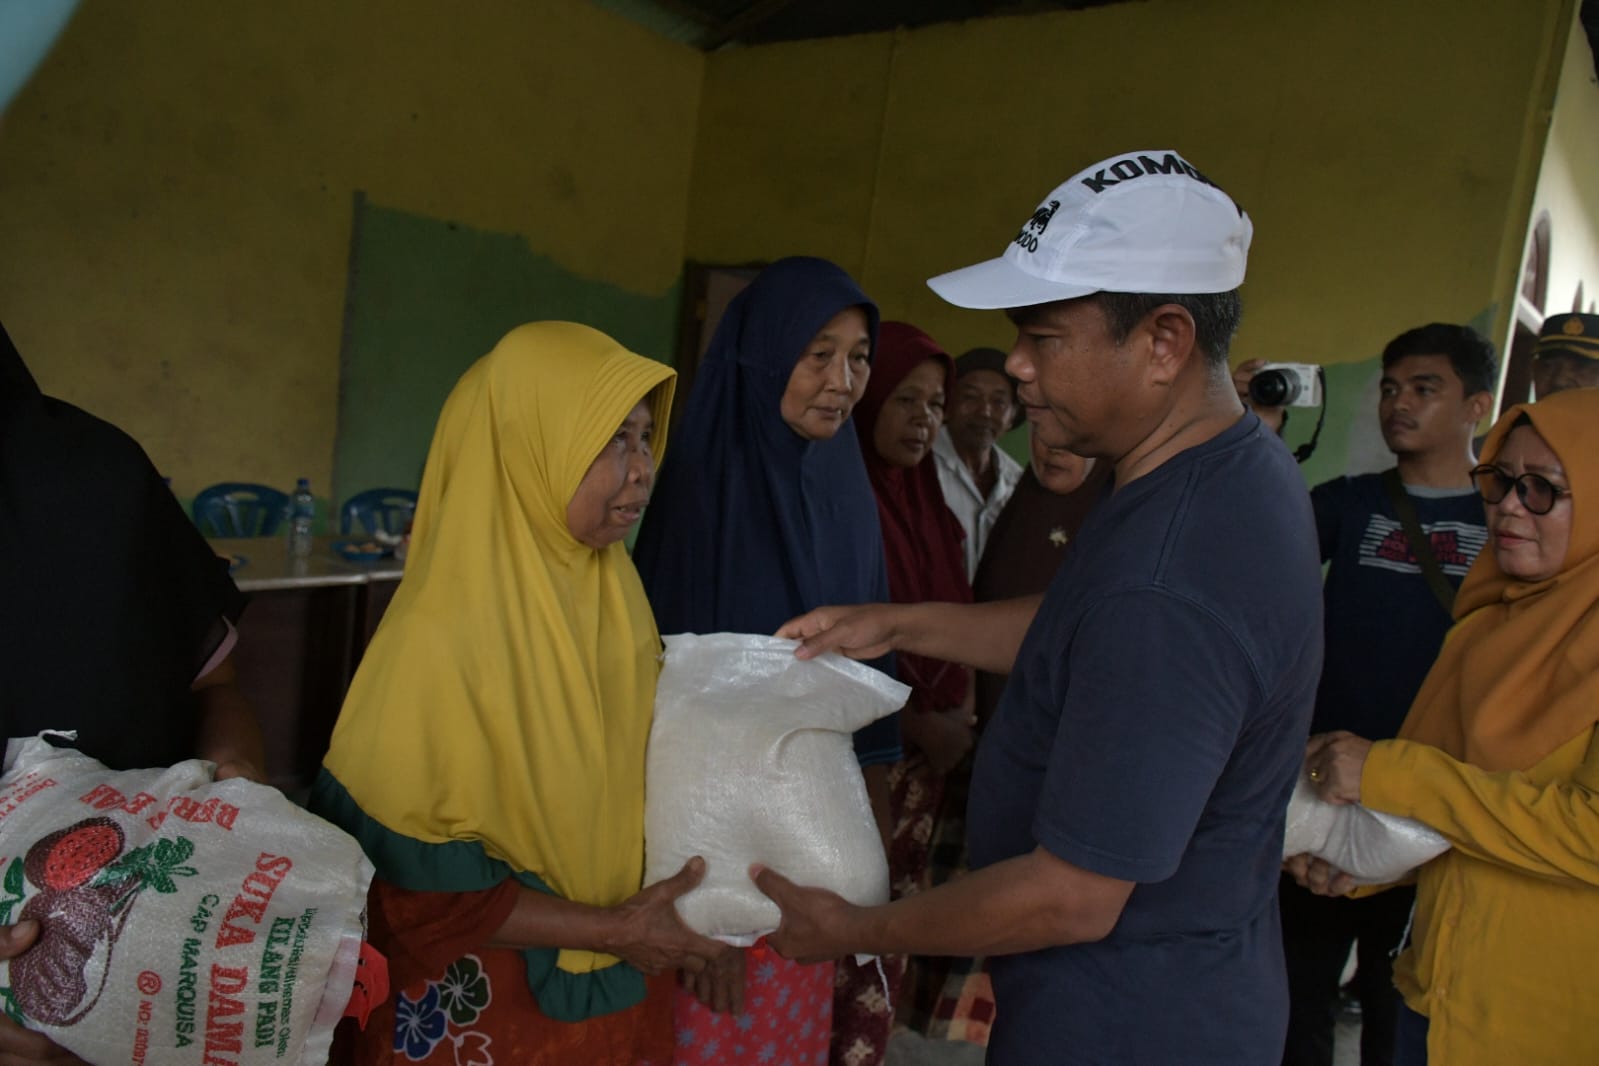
<point x="1126" y="813"/>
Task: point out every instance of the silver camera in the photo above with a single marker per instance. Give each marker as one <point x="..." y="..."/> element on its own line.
<point x="1286" y="385"/>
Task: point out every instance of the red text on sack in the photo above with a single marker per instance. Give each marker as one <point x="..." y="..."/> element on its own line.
<point x="255" y="895"/>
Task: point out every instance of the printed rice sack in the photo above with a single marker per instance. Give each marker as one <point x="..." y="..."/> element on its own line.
<point x="751" y="760"/>
<point x="182" y="920"/>
<point x="1372" y="847"/>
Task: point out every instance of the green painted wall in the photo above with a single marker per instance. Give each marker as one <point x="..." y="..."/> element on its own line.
<point x="427" y="298"/>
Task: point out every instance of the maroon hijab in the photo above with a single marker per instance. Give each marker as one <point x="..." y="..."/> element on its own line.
<point x="921" y="536"/>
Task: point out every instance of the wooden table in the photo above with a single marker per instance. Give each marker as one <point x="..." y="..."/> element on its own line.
<point x="300" y="640"/>
<point x="262" y="564"/>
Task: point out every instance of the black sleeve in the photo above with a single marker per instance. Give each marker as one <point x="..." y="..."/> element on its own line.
<point x="1328" y="501"/>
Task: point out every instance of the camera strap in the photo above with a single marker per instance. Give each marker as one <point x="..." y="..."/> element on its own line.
<point x="1420" y="543"/>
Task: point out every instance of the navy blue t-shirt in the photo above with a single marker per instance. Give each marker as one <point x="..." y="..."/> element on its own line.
<point x="1384" y="625"/>
<point x="1152" y="731"/>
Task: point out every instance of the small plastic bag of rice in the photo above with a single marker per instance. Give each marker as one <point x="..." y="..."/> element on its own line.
<point x="1372" y="847"/>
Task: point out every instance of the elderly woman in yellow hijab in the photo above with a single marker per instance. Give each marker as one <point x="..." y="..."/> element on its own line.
<point x="1500" y="755"/>
<point x="490" y="753"/>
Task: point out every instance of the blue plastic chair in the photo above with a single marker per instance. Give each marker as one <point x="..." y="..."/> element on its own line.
<point x="239" y="509"/>
<point x="385" y="510"/>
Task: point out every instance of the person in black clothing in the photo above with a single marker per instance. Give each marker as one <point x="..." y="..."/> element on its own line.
<point x="121" y="617"/>
<point x="1386" y="616"/>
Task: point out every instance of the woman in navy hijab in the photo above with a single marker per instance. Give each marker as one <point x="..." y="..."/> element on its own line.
<point x="763" y="512"/>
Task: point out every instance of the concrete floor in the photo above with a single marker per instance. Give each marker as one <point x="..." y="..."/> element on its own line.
<point x="1346" y="1043"/>
<point x="910" y="1049"/>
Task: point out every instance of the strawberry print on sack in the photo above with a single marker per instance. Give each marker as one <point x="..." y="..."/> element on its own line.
<point x="182" y="920"/>
<point x="86" y="891"/>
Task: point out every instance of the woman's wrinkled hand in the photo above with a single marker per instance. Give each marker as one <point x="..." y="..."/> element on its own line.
<point x="720" y="986"/>
<point x="1334" y="762"/>
<point x="652" y="938"/>
<point x="1317" y="875"/>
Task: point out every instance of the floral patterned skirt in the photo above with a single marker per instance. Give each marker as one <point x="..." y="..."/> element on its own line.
<point x="788" y="1014"/>
<point x="866" y="997"/>
<point x="479" y="1013"/>
<point x="477" y="1009"/>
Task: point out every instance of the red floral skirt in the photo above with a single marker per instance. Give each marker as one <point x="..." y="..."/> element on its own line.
<point x="788" y="1015"/>
<point x="456" y="1002"/>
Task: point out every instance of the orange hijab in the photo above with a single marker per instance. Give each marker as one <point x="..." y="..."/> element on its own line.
<point x="1518" y="675"/>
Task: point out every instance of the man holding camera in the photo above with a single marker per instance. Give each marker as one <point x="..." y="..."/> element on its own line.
<point x="1273" y="416"/>
<point x="1399" y="544"/>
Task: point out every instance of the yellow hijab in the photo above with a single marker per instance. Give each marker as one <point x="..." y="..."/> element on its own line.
<point x="1518" y="675"/>
<point x="506" y="698"/>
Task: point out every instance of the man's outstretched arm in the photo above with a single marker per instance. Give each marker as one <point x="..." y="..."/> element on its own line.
<point x="986" y="636"/>
<point x="1023" y="904"/>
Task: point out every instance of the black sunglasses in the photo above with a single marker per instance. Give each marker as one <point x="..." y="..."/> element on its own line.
<point x="1536" y="492"/>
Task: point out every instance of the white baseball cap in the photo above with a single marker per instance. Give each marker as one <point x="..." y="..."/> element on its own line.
<point x="1136" y="222"/>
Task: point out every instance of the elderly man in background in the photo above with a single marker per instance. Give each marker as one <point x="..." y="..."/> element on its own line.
<point x="975" y="473"/>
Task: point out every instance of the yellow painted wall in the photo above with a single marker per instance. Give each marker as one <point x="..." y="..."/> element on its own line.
<point x="176" y="183"/>
<point x="1568" y="184"/>
<point x="1383" y="149"/>
<point x="176" y="188"/>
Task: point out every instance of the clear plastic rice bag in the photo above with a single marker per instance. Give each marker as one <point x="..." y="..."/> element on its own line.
<point x="751" y="760"/>
<point x="1372" y="847"/>
<point x="182" y="920"/>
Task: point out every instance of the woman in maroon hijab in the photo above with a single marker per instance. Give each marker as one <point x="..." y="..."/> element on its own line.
<point x="896" y="421"/>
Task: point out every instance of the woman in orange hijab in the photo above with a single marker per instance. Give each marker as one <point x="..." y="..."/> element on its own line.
<point x="1500" y="754"/>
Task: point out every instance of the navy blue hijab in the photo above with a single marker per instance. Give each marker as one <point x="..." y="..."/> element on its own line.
<point x="751" y="524"/>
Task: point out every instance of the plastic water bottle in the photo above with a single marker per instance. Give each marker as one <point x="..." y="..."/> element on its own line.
<point x="302" y="512"/>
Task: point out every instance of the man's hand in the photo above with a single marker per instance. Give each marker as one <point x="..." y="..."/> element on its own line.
<point x="984" y="636"/>
<point x="816" y="923"/>
<point x="1318" y="875"/>
<point x="866" y="631"/>
<point x="18" y="1046"/>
